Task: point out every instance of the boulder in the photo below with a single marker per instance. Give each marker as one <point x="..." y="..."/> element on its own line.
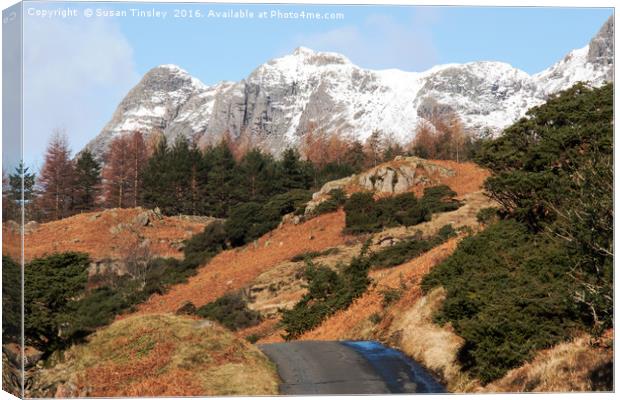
<point x="142" y="219"/>
<point x="31" y="227"/>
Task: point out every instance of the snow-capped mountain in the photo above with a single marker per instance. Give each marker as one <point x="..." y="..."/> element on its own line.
<point x="286" y="97"/>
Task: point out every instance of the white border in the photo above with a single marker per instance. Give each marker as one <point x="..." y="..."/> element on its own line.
<point x="507" y="3"/>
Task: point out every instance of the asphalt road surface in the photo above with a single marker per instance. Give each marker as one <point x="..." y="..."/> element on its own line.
<point x="321" y="367"/>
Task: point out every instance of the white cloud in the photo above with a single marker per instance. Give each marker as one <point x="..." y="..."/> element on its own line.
<point x="75" y="72"/>
<point x="381" y="41"/>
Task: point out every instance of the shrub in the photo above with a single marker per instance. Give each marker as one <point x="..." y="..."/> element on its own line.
<point x="361" y="213"/>
<point x="51" y="285"/>
<point x="337" y="198"/>
<point x="325" y="207"/>
<point x="487" y="215"/>
<point x="328" y="292"/>
<point x="11" y="300"/>
<point x="231" y="310"/>
<point x="375" y="318"/>
<point x="391" y="296"/>
<point x="253" y="338"/>
<point x="410" y="248"/>
<point x="440" y="199"/>
<point x="508" y="295"/>
<point x="364" y="214"/>
<point x="249" y="221"/>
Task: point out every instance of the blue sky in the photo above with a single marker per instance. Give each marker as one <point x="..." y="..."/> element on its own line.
<point x="77" y="69"/>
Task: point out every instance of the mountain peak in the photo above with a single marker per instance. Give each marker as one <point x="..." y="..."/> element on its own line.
<point x="303" y="51"/>
<point x="172" y="72"/>
<point x="312" y="57"/>
<point x="601" y="47"/>
<point x="282" y="99"/>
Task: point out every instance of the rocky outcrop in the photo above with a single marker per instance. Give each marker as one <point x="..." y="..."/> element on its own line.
<point x="401" y="175"/>
<point x="398" y="176"/>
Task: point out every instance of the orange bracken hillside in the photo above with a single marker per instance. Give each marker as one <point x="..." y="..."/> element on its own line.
<point x="469" y="177"/>
<point x="234" y="269"/>
<point x="353" y="321"/>
<point x="106" y="234"/>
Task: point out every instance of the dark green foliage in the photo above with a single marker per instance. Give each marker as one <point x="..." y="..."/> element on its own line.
<point x="440" y="199"/>
<point x="328" y="292"/>
<point x="544" y="272"/>
<point x="180" y="179"/>
<point x="553" y="170"/>
<point x="375" y="318"/>
<point x="364" y="214"/>
<point x="244" y="223"/>
<point x="487" y="215"/>
<point x="209" y="242"/>
<point x="253" y="338"/>
<point x="409" y="249"/>
<point x="508" y="295"/>
<point x="258" y="176"/>
<point x="174" y="179"/>
<point x="13" y="197"/>
<point x="11" y="300"/>
<point x="334" y="171"/>
<point x="356" y="157"/>
<point x="325" y="207"/>
<point x="87" y="182"/>
<point x="294" y="173"/>
<point x="536" y="160"/>
<point x="391" y="296"/>
<point x="361" y="213"/>
<point x="51" y="285"/>
<point x="222" y="189"/>
<point x="314" y="254"/>
<point x="337" y="198"/>
<point x="250" y="221"/>
<point x="231" y="310"/>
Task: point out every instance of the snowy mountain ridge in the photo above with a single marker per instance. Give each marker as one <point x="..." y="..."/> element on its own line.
<point x="286" y="97"/>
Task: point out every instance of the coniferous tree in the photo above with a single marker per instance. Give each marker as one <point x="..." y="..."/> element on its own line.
<point x="87" y="181"/>
<point x="157" y="178"/>
<point x="355" y="157"/>
<point x="57" y="179"/>
<point x="222" y="188"/>
<point x="187" y="175"/>
<point x="12" y="193"/>
<point x="257" y="172"/>
<point x="295" y="174"/>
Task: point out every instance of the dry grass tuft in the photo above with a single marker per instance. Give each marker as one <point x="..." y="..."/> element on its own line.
<point x="161" y="355"/>
<point x="412" y="329"/>
<point x="577" y="366"/>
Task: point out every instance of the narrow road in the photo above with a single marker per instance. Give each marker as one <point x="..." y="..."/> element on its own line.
<point x="316" y="367"/>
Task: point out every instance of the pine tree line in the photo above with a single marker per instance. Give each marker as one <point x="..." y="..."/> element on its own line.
<point x="182" y="178"/>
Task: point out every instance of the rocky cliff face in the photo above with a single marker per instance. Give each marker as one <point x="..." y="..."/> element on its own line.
<point x="284" y="98"/>
<point x="592" y="63"/>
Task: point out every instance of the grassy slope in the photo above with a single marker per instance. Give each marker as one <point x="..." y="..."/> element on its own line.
<point x="94" y="233"/>
<point x="234" y="269"/>
<point x="161" y="355"/>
